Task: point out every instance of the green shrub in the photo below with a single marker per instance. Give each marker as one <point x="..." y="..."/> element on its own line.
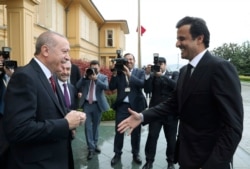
<point x="111" y="98"/>
<point x="244" y="78"/>
<point x="108" y="115"/>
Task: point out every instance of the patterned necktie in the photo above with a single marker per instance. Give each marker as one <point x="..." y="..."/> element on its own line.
<point x="53" y="84"/>
<point x="91" y="92"/>
<point x="66" y="95"/>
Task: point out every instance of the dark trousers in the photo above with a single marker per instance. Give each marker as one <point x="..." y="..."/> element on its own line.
<point x="4" y="146"/>
<point x="229" y="166"/>
<point x="170" y="130"/>
<point x="121" y="114"/>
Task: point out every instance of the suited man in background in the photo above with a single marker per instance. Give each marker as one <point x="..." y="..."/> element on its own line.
<point x="68" y="94"/>
<point x="207" y="101"/>
<point x="75" y="74"/>
<point x="129" y="82"/>
<point x="162" y="83"/>
<point x="36" y="123"/>
<point x="147" y="86"/>
<point x="62" y="80"/>
<point x="93" y="101"/>
<point x="5" y="74"/>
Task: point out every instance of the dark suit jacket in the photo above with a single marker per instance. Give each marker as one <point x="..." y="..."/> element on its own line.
<point x="2" y="92"/>
<point x="75" y="74"/>
<point x="73" y="96"/>
<point x="34" y="122"/>
<point x="161" y="87"/>
<point x="136" y="82"/>
<point x="210" y="113"/>
<point x="3" y="142"/>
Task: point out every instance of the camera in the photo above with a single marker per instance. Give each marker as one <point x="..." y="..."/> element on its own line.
<point x="10" y="64"/>
<point x="155" y="67"/>
<point x="91" y="71"/>
<point x="119" y="62"/>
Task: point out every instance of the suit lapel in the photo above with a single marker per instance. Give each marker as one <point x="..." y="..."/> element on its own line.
<point x="194" y="79"/>
<point x="72" y="95"/>
<point x="57" y="98"/>
<point x="85" y="92"/>
<point x="48" y="88"/>
<point x="134" y="71"/>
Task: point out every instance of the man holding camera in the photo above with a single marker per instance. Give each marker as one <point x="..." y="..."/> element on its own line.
<point x="129" y="83"/>
<point x="5" y="73"/>
<point x="93" y="101"/>
<point x="162" y="83"/>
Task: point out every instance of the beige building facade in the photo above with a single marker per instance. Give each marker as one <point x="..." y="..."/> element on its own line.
<point x="90" y="35"/>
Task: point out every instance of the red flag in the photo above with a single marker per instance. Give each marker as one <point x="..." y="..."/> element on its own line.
<point x="142" y="30"/>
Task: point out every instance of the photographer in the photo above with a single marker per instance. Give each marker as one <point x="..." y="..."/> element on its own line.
<point x="162" y="83"/>
<point x="93" y="101"/>
<point x="128" y="81"/>
<point x="7" y="68"/>
<point x="5" y="74"/>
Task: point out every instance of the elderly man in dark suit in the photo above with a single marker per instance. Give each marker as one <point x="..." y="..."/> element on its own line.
<point x="36" y="123"/>
<point x="94" y="102"/>
<point x="207" y="101"/>
<point x="129" y="82"/>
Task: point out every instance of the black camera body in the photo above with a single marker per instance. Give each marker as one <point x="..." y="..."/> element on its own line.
<point x="119" y="62"/>
<point x="91" y="71"/>
<point x="10" y="64"/>
<point x="155" y="67"/>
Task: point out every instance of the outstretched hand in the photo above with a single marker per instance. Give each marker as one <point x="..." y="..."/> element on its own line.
<point x="130" y="123"/>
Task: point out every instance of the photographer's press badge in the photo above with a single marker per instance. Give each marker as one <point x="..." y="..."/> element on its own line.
<point x="127" y="89"/>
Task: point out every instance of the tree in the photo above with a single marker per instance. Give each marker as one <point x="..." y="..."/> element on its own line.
<point x="238" y="55"/>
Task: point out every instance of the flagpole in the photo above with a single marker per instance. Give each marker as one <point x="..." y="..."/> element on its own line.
<point x="139" y="34"/>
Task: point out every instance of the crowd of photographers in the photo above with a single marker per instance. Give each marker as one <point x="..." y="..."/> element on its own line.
<point x="157" y="82"/>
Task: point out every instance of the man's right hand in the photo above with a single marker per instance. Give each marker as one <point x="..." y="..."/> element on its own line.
<point x="9" y="72"/>
<point x="131" y="122"/>
<point x="75" y="118"/>
<point x="158" y="74"/>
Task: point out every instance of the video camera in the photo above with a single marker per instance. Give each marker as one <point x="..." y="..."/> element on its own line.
<point x="155" y="67"/>
<point x="119" y="62"/>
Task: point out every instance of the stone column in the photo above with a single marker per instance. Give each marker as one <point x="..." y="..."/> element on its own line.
<point x="20" y="17"/>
